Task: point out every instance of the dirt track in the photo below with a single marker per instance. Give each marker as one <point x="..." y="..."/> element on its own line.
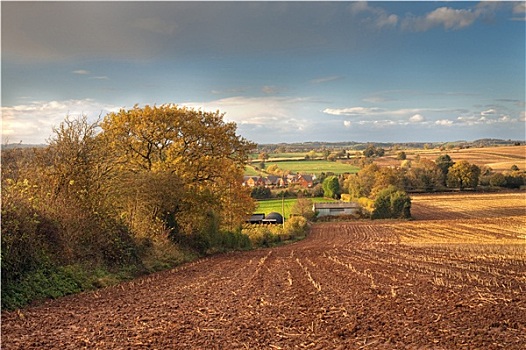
<point x="347" y="286"/>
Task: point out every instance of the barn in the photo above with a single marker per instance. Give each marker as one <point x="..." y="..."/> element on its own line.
<point x="336" y="208"/>
<point x="271" y="218"/>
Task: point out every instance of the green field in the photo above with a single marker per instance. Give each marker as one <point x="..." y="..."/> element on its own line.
<point x="250" y="171"/>
<point x="274" y="205"/>
<point x="286" y="155"/>
<point x="315" y="167"/>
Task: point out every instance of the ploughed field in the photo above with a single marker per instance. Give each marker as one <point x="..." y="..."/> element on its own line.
<point x="453" y="278"/>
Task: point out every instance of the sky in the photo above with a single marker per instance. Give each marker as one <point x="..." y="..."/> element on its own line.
<point x="282" y="71"/>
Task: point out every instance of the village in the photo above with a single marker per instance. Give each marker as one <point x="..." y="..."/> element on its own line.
<point x="272" y="181"/>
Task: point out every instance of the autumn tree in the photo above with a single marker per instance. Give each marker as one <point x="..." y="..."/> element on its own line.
<point x="401" y="155"/>
<point x="198" y="149"/>
<point x="463" y="175"/>
<point x="362" y="183"/>
<point x="386" y="177"/>
<point x="263" y="156"/>
<point x="303" y="207"/>
<point x="426" y="175"/>
<point x="372" y="151"/>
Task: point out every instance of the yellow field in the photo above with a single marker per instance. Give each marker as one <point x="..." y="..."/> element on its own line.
<point x="497" y="219"/>
<point x="498" y="158"/>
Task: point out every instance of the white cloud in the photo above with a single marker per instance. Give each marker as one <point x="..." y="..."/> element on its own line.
<point x="522" y="116"/>
<point x="275" y="115"/>
<point x="32" y="123"/>
<point x="444" y="122"/>
<point x="353" y="111"/>
<point x="100" y="77"/>
<point x="81" y="72"/>
<point x="376" y="16"/>
<point x="490" y="111"/>
<point x="519" y="11"/>
<point x="383" y="112"/>
<point x="387" y="20"/>
<point x="449" y="18"/>
<point x="417" y="118"/>
<point x="358" y="6"/>
<point x="519" y="8"/>
<point x="326" y="79"/>
<point x="347" y="123"/>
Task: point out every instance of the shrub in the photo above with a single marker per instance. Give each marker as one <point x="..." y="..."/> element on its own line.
<point x="296" y="226"/>
<point x="498" y="180"/>
<point x="391" y="203"/>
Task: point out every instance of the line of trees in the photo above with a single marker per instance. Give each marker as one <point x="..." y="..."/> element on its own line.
<point x="119" y="192"/>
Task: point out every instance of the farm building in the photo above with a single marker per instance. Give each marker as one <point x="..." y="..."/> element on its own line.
<point x="256" y="219"/>
<point x="271" y="218"/>
<point x="336" y="208"/>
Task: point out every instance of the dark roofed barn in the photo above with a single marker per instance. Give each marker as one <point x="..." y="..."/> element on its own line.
<point x="273" y="218"/>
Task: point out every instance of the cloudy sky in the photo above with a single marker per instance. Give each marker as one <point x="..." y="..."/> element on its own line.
<point x="283" y="71"/>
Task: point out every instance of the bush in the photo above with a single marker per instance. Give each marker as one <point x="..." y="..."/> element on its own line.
<point x="296" y="227"/>
<point x="498" y="180"/>
<point x="392" y="203"/>
<point x="53" y="282"/>
<point x="261" y="192"/>
<point x="265" y="235"/>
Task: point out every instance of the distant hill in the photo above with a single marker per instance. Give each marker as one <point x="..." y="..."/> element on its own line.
<point x="351" y="145"/>
<point x="21" y="145"/>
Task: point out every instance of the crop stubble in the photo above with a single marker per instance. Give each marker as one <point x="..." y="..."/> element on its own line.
<point x="455" y="277"/>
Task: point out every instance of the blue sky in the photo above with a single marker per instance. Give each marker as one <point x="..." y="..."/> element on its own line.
<point x="283" y="71"/>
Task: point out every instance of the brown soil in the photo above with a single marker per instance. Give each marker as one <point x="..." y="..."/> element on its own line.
<point x="350" y="285"/>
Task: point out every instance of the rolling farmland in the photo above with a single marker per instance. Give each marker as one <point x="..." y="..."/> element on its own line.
<point x="497" y="158"/>
<point x="455" y="277"/>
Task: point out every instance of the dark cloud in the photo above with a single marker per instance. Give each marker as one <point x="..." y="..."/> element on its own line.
<point x="51" y="31"/>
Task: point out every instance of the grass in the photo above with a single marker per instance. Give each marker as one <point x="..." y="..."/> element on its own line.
<point x="274" y="205"/>
<point x="315" y="167"/>
<point x="286" y="155"/>
<point x="250" y="171"/>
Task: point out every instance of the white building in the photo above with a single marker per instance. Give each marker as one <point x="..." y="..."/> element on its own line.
<point x="336" y="208"/>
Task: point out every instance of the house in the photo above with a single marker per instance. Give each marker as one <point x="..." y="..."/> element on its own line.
<point x="336" y="208"/>
<point x="305" y="180"/>
<point x="253" y="181"/>
<point x="273" y="181"/>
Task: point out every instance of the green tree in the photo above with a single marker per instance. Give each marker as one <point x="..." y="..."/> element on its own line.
<point x="463" y="175"/>
<point x="444" y="162"/>
<point x="331" y="187"/>
<point x="392" y="203"/>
